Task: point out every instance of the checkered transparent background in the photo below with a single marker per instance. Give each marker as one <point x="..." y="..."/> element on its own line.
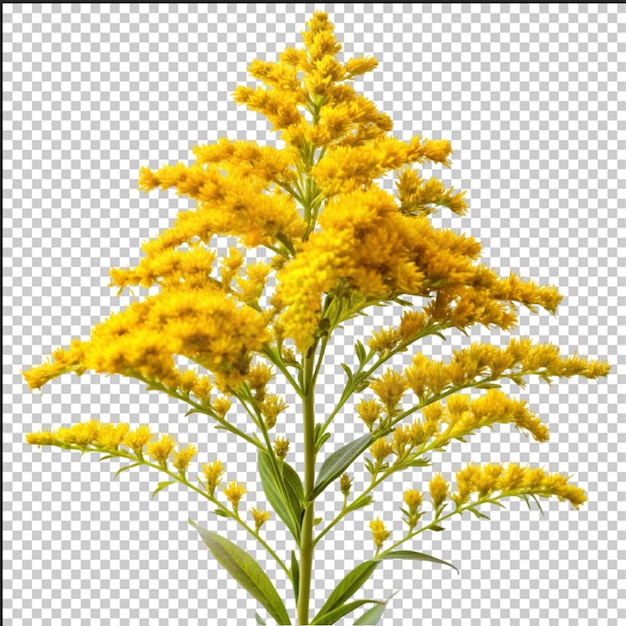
<point x="532" y="97"/>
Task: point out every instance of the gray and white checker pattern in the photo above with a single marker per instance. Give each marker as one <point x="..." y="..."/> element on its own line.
<point x="529" y="96"/>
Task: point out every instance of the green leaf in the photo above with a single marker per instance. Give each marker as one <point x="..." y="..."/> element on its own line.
<point x="259" y="620"/>
<point x="416" y="556"/>
<point x="477" y="513"/>
<point x="348" y="371"/>
<point x="437" y="528"/>
<point x="374" y="615"/>
<point x="126" y="467"/>
<point x="360" y="352"/>
<point x="295" y="490"/>
<point x="534" y="497"/>
<point x="353" y="581"/>
<point x="222" y="513"/>
<point x="295" y="573"/>
<point x="338" y="462"/>
<point x="320" y="437"/>
<point x="341" y="611"/>
<point x="360" y="502"/>
<point x="281" y="504"/>
<point x="246" y="571"/>
<point x="161" y="486"/>
<point x="418" y="462"/>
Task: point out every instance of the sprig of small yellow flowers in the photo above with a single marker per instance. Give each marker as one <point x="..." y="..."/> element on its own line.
<point x="339" y="244"/>
<point x="136" y="445"/>
<point x="491" y="483"/>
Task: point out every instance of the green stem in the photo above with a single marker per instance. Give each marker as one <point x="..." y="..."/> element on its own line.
<point x="306" y="543"/>
<point x="438" y="518"/>
<point x="197" y="407"/>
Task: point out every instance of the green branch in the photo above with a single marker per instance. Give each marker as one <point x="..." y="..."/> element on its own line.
<point x="197" y="408"/>
<point x="140" y="460"/>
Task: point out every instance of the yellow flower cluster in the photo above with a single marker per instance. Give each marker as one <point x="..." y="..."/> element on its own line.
<point x="108" y="438"/>
<point x="281" y="447"/>
<point x="459" y="417"/>
<point x="438" y="488"/>
<point x="413" y="500"/>
<point x="258" y="378"/>
<point x="206" y="327"/>
<point x="93" y="433"/>
<point x="364" y="244"/>
<point x="260" y="517"/>
<point x="169" y="268"/>
<point x="513" y="480"/>
<point x="213" y="473"/>
<point x="234" y="203"/>
<point x="271" y="406"/>
<point x="521" y="357"/>
<point x="345" y="484"/>
<point x="312" y="80"/>
<point x="389" y="388"/>
<point x="463" y="415"/>
<point x="379" y="533"/>
<point x="161" y="450"/>
<point x="234" y="492"/>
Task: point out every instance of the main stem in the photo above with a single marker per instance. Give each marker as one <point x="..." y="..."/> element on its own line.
<point x="306" y="535"/>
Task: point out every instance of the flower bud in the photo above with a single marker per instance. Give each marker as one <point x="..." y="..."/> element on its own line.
<point x="345" y="483"/>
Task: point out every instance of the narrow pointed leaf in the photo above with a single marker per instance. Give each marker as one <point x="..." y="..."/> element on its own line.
<point x="341" y="611"/>
<point x="416" y="556"/>
<point x="161" y="486"/>
<point x="295" y="573"/>
<point x="347" y="370"/>
<point x="338" y="462"/>
<point x="360" y="502"/>
<point x="374" y="615"/>
<point x="353" y="581"/>
<point x="360" y="352"/>
<point x="281" y="504"/>
<point x="246" y="571"/>
<point x="320" y="437"/>
<point x="477" y="513"/>
<point x="295" y="489"/>
<point x="259" y="620"/>
<point x="126" y="467"/>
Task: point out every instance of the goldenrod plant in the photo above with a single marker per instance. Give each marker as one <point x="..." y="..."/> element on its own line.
<point x="340" y="244"/>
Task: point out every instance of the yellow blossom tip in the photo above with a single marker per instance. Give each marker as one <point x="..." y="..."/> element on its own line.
<point x="182" y="458"/>
<point x="260" y="517"/>
<point x="161" y="450"/>
<point x="213" y="473"/>
<point x="379" y="533"/>
<point x="234" y="492"/>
